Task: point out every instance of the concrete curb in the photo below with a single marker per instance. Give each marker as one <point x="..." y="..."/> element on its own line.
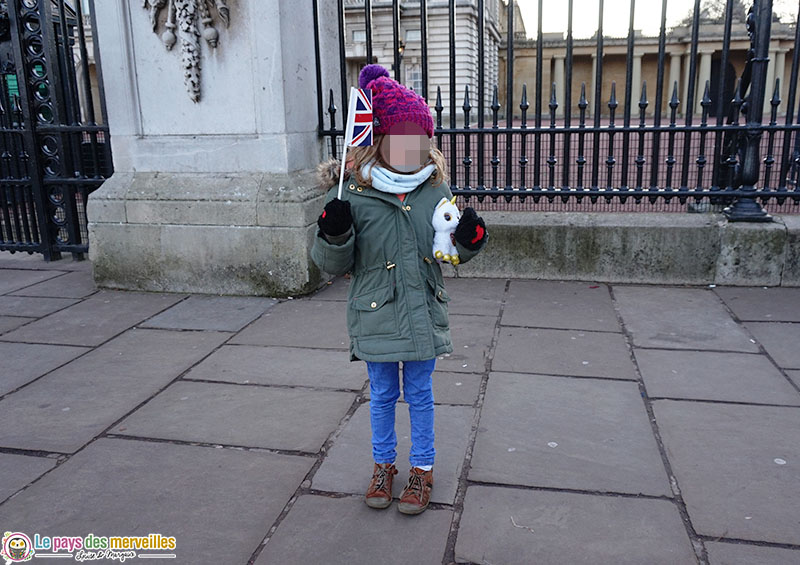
<point x="647" y="247"/>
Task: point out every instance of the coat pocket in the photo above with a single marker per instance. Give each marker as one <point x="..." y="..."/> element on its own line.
<point x="438" y="304"/>
<point x="375" y="312"/>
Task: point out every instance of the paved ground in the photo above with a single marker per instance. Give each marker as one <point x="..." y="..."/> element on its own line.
<point x="575" y="423"/>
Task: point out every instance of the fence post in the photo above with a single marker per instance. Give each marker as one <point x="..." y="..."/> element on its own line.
<point x="745" y="207"/>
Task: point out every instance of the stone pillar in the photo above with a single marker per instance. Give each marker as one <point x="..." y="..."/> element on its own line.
<point x="683" y="89"/>
<point x="780" y="69"/>
<point x="215" y="195"/>
<point x="704" y="74"/>
<point x="674" y="74"/>
<point x="770" y="86"/>
<point x="636" y="84"/>
<point x="590" y="94"/>
<point x="558" y="78"/>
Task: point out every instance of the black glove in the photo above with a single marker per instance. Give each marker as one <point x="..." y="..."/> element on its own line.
<point x="335" y="218"/>
<point x="471" y="230"/>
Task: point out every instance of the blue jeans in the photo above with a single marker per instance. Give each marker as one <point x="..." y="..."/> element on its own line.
<point x="384" y="389"/>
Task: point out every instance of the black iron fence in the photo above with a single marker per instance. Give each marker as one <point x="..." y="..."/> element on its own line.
<point x="54" y="143"/>
<point x="595" y="149"/>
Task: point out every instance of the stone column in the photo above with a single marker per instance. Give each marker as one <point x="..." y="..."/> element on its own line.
<point x="590" y="94"/>
<point x="674" y="74"/>
<point x="215" y="195"/>
<point x="770" y="86"/>
<point x="636" y="83"/>
<point x="683" y="89"/>
<point x="558" y="78"/>
<point x="780" y="69"/>
<point x="704" y="74"/>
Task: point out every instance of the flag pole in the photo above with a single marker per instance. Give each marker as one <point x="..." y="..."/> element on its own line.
<point x="348" y="137"/>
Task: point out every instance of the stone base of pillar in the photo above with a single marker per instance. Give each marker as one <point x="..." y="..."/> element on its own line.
<point x="223" y="234"/>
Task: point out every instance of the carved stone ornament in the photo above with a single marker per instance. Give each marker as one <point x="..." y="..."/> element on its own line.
<point x="190" y="19"/>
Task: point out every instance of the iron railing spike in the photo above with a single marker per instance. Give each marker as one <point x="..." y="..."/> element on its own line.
<point x="673" y="101"/>
<point x="582" y="103"/>
<point x="706" y="100"/>
<point x="643" y="100"/>
<point x="776" y="95"/>
<point x="612" y="102"/>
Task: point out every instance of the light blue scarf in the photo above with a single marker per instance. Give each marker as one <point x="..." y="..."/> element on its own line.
<point x="396" y="183"/>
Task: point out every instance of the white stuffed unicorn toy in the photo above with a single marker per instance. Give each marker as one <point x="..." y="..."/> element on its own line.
<point x="445" y="220"/>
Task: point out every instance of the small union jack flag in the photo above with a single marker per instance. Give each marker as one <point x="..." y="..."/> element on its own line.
<point x="360" y="118"/>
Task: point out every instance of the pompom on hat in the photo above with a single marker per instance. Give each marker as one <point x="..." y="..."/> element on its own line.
<point x="393" y="102"/>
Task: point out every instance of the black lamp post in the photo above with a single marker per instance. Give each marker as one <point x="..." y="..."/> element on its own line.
<point x="745" y="208"/>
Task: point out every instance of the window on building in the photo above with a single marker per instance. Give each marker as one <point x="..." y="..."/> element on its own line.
<point x="359" y="35"/>
<point x="413" y="35"/>
<point x="414" y="78"/>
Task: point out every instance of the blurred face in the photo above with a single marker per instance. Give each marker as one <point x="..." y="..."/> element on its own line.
<point x="406" y="148"/>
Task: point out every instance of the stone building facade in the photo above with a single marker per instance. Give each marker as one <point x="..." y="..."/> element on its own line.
<point x="644" y="65"/>
<point x="438" y="26"/>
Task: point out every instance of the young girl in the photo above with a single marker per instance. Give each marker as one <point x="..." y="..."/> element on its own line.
<point x="381" y="232"/>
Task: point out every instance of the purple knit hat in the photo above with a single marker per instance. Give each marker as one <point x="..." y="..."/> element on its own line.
<point x="393" y="102"/>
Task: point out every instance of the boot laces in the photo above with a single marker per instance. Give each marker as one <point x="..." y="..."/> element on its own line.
<point x="381" y="476"/>
<point x="415" y="485"/>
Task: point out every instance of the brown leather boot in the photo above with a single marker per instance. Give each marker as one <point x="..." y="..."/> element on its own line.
<point x="417" y="493"/>
<point x="379" y="493"/>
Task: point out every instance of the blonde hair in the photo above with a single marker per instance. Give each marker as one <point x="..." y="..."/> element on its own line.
<point x="358" y="156"/>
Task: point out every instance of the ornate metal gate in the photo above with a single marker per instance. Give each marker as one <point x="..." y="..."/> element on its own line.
<point x="54" y="143"/>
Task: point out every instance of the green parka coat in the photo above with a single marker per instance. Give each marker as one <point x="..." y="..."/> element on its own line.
<point x="397" y="302"/>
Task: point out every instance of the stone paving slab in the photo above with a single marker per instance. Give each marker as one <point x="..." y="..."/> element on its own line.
<point x="268" y="365"/>
<point x="679" y="318"/>
<point x="20" y="363"/>
<point x="474" y="296"/>
<point x="32" y="306"/>
<point x="346" y="531"/>
<point x="516" y="526"/>
<point x="16" y="471"/>
<point x="481" y="297"/>
<point x="335" y="289"/>
<point x="720" y="553"/>
<point x="724" y="458"/>
<point x="16" y="279"/>
<point x="560" y="304"/>
<point x="250" y="416"/>
<point x="8" y="323"/>
<point x="708" y="375"/>
<point x="204" y="312"/>
<point x="66" y="408"/>
<point x="563" y="352"/>
<point x="448" y="388"/>
<point x="349" y="463"/>
<point x="19" y="260"/>
<point x="780" y="340"/>
<point x="299" y="323"/>
<point x="218" y="503"/>
<point x="472" y="338"/>
<point x="560" y="432"/>
<point x="96" y="319"/>
<point x="759" y="304"/>
<point x="75" y="284"/>
<point x="795" y="376"/>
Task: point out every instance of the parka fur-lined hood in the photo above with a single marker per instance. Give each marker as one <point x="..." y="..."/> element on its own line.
<point x="328" y="173"/>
